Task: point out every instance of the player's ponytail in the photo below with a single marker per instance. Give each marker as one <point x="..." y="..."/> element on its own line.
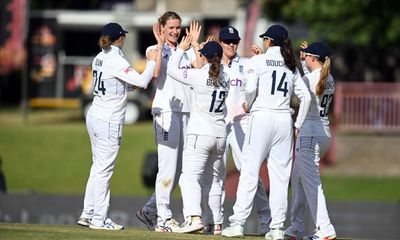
<point x="287" y="54"/>
<point x="215" y="69"/>
<point x="105" y="42"/>
<point x="323" y="78"/>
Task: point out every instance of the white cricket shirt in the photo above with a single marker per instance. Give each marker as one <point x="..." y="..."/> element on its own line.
<point x="317" y="122"/>
<point x="208" y="111"/>
<point x="172" y="95"/>
<point x="112" y="74"/>
<point x="235" y="71"/>
<point x="270" y="84"/>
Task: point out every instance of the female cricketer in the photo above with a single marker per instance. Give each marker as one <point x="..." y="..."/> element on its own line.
<point x="272" y="78"/>
<point x="312" y="143"/>
<point x="112" y="74"/>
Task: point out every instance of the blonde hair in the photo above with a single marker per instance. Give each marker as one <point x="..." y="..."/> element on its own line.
<point x="167" y="16"/>
<point x="105" y="42"/>
<point x="323" y="78"/>
<point x="214" y="70"/>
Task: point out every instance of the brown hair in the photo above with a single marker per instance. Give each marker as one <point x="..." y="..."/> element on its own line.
<point x="105" y="42"/>
<point x="287" y="53"/>
<point x="215" y="69"/>
<point x="167" y="16"/>
<point x="323" y="78"/>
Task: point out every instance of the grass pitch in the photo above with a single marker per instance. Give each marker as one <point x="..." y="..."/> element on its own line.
<point x="44" y="232"/>
<point x="11" y="231"/>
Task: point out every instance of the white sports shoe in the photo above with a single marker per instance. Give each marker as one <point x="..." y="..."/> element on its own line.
<point x="274" y="234"/>
<point x="108" y="225"/>
<point x="192" y="224"/>
<point x="233" y="231"/>
<point x="171" y="225"/>
<point x="84" y="222"/>
<point x="318" y="235"/>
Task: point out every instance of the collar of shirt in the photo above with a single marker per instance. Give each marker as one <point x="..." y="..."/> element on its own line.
<point x="116" y="50"/>
<point x="235" y="59"/>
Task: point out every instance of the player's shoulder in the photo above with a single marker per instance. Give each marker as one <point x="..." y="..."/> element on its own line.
<point x="151" y="47"/>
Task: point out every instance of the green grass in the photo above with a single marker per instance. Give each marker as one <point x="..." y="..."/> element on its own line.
<point x="51" y="153"/>
<point x="44" y="232"/>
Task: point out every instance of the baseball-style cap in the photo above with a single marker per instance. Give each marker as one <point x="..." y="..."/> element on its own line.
<point x="317" y="49"/>
<point x="229" y="33"/>
<point x="113" y="30"/>
<point x="211" y="49"/>
<point x="277" y="33"/>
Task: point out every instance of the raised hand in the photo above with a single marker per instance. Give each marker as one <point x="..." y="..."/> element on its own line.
<point x="185" y="42"/>
<point x="303" y="45"/>
<point x="158" y="34"/>
<point x="194" y="31"/>
<point x="256" y="50"/>
<point x="209" y="39"/>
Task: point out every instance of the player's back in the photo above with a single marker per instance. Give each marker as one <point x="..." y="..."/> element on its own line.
<point x="317" y="122"/>
<point x="110" y="94"/>
<point x="275" y="81"/>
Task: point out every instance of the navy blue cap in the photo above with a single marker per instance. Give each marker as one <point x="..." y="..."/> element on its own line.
<point x="229" y="33"/>
<point x="277" y="33"/>
<point x="113" y="30"/>
<point x="211" y="49"/>
<point x="317" y="49"/>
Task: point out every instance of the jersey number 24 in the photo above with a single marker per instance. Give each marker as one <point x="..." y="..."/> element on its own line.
<point x="98" y="83"/>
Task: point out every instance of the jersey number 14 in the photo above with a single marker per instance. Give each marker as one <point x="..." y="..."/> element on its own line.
<point x="282" y="85"/>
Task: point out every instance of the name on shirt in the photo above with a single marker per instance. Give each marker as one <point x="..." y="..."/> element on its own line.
<point x="274" y="63"/>
<point x="220" y="83"/>
<point x="98" y="62"/>
<point x="235" y="82"/>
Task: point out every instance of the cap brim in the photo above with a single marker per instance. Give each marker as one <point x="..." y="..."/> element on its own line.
<point x="237" y="39"/>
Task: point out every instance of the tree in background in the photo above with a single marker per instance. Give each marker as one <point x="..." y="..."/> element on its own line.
<point x="364" y="35"/>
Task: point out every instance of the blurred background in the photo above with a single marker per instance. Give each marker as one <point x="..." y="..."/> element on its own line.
<point x="46" y="49"/>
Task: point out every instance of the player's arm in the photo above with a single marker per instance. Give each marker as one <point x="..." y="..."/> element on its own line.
<point x="129" y="75"/>
<point x="194" y="32"/>
<point x="303" y="94"/>
<point x="173" y="69"/>
<point x="160" y="45"/>
<point x="303" y="45"/>
<point x="250" y="89"/>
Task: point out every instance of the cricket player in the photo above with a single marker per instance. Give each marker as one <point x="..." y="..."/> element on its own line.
<point x="272" y="78"/>
<point x="112" y="75"/>
<point x="312" y="143"/>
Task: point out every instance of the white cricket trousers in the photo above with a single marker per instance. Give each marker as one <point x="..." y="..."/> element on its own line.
<point x="269" y="136"/>
<point x="169" y="131"/>
<point x="234" y="140"/>
<point x="307" y="186"/>
<point x="198" y="158"/>
<point x="105" y="139"/>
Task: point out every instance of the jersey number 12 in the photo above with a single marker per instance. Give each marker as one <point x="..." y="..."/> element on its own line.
<point x="221" y="100"/>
